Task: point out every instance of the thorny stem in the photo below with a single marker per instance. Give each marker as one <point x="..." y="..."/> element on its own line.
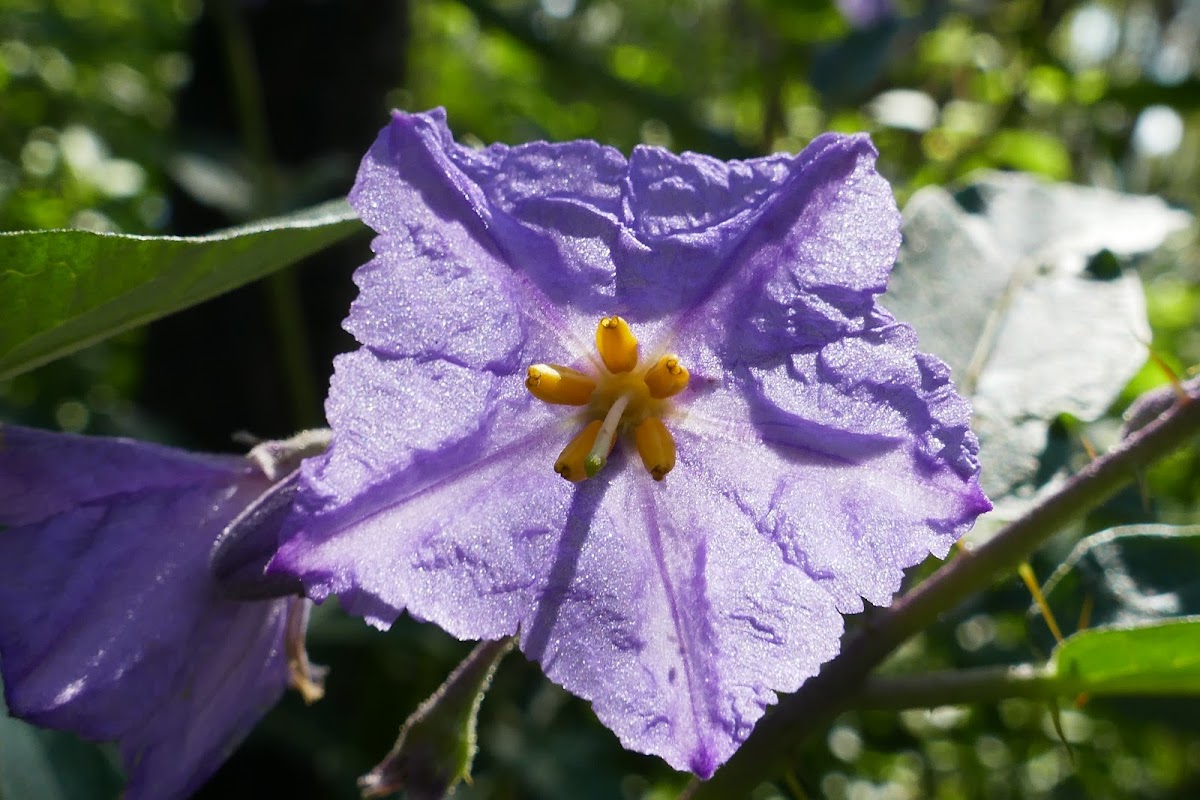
<point x="836" y="687"/>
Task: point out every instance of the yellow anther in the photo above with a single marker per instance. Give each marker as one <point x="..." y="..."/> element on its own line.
<point x="617" y="345"/>
<point x="570" y="460"/>
<point x="656" y="446"/>
<point x="552" y="383"/>
<point x="666" y="378"/>
<point x="630" y="400"/>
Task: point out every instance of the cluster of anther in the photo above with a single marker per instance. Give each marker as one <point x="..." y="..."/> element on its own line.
<point x="620" y="399"/>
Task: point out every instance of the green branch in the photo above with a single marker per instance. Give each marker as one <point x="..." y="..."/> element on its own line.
<point x="821" y="698"/>
<point x="978" y="685"/>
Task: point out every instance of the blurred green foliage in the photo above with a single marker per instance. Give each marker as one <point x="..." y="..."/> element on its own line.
<point x="86" y="99"/>
<point x="1104" y="93"/>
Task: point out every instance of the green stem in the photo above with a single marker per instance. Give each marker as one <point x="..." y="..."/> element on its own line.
<point x="248" y="96"/>
<point x="304" y="400"/>
<point x="979" y="685"/>
<point x="821" y="698"/>
<point x="283" y="294"/>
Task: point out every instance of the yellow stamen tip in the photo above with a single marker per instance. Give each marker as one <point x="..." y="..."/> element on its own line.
<point x="656" y="446"/>
<point x="666" y="378"/>
<point x="571" y="462"/>
<point x="552" y="383"/>
<point x="617" y="345"/>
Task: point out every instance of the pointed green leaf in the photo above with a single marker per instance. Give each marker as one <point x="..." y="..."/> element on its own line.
<point x="63" y="290"/>
<point x="436" y="745"/>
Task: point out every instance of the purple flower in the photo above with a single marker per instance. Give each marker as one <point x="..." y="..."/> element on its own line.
<point x="866" y="13"/>
<point x="110" y="624"/>
<point x="815" y="452"/>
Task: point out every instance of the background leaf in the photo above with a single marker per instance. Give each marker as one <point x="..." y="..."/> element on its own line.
<point x="1158" y="659"/>
<point x="1126" y="576"/>
<point x="63" y="290"/>
<point x="37" y="764"/>
<point x="1019" y="286"/>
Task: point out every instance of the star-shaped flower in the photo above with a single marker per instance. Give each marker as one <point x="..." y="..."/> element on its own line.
<point x="111" y="624"/>
<point x="751" y="444"/>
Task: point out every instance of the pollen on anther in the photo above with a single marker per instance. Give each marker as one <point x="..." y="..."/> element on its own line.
<point x="656" y="446"/>
<point x="552" y="383"/>
<point x="666" y="378"/>
<point x="617" y="345"/>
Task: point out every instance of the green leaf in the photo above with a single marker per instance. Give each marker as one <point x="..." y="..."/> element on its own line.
<point x="1031" y="151"/>
<point x="63" y="290"/>
<point x="1021" y="287"/>
<point x="436" y="745"/>
<point x="51" y="765"/>
<point x="1157" y="659"/>
<point x="1133" y="575"/>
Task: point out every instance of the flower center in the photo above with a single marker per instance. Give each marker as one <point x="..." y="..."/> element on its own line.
<point x="618" y="399"/>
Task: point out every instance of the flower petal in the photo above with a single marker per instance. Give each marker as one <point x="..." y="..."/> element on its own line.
<point x="458" y="541"/>
<point x="418" y="420"/>
<point x="109" y="623"/>
<point x="525" y="229"/>
<point x="876" y="384"/>
<point x="852" y="508"/>
<point x="239" y="556"/>
<point x="650" y="612"/>
<point x="821" y="224"/>
<point x="58" y="472"/>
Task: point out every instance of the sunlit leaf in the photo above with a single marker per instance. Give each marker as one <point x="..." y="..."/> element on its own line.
<point x="1156" y="659"/>
<point x="1022" y="287"/>
<point x="65" y="289"/>
<point x="1126" y="576"/>
<point x="1031" y="151"/>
